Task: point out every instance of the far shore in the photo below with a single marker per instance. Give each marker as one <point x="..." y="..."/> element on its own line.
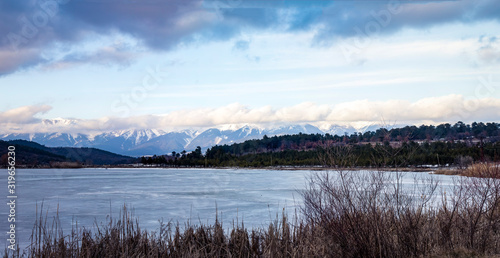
<point x="314" y="168"/>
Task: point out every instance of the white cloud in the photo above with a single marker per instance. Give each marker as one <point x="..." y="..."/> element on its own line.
<point x="450" y="108"/>
<point x="438" y="109"/>
<point x="23" y="115"/>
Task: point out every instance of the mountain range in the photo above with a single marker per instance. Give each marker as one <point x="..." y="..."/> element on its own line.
<point x="146" y="142"/>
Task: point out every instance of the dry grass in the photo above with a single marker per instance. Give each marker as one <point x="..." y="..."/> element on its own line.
<point x="448" y="172"/>
<point x="345" y="214"/>
<point x="475" y="170"/>
<point x="66" y="164"/>
<point x="491" y="170"/>
<point x="357" y="215"/>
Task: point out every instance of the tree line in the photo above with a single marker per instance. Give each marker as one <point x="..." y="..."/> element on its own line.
<point x="408" y="146"/>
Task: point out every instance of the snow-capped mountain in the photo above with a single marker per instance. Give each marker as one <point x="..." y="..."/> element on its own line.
<point x="295" y="129"/>
<point x="151" y="141"/>
<point x="215" y="136"/>
<point x="51" y="139"/>
<point x="59" y="121"/>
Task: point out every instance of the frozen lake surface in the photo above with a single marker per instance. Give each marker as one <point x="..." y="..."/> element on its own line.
<point x="87" y="196"/>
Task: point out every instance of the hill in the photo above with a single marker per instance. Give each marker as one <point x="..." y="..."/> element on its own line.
<point x="32" y="154"/>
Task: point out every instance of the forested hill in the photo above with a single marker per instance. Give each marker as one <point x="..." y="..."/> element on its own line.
<point x="458" y="132"/>
<point x="31" y="154"/>
<point x="410" y="145"/>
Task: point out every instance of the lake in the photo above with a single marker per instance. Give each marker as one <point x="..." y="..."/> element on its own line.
<point x="87" y="196"/>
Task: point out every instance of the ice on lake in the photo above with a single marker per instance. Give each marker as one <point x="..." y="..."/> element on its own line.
<point x="89" y="196"/>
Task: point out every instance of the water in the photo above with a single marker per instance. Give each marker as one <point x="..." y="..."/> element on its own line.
<point x="89" y="196"/>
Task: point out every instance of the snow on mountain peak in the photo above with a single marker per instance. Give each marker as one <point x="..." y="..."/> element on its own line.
<point x="230" y="127"/>
<point x="138" y="135"/>
<point x="55" y="135"/>
<point x="59" y="121"/>
<point x="362" y="126"/>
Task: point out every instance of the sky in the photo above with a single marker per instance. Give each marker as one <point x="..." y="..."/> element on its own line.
<point x="104" y="65"/>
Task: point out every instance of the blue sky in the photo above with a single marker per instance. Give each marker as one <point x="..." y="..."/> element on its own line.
<point x="112" y="65"/>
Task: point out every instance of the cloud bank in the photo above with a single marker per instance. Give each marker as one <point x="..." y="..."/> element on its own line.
<point x="450" y="108"/>
<point x="31" y="28"/>
<point x="23" y="115"/>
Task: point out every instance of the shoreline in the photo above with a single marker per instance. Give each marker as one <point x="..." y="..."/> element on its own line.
<point x="447" y="171"/>
<point x="291" y="168"/>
